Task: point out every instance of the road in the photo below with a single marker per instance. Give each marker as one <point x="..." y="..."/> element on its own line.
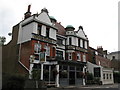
<point x="90" y="87"/>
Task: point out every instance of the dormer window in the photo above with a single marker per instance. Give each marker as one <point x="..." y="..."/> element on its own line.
<point x="39" y="29"/>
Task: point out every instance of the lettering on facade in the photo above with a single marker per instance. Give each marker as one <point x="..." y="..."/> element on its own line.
<point x="43" y="39"/>
<point x="77" y="48"/>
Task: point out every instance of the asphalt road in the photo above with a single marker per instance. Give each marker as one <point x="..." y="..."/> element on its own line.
<point x="92" y="87"/>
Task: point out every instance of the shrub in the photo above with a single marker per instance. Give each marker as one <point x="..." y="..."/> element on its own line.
<point x="13" y="81"/>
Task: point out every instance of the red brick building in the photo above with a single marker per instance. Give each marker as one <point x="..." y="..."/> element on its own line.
<point x="66" y="50"/>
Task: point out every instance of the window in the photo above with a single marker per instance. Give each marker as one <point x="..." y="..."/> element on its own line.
<point x="70" y="41"/>
<point x="78" y="56"/>
<point x="97" y="72"/>
<point x="107" y="76"/>
<point x="81" y="43"/>
<point x="110" y="76"/>
<point x="37" y="47"/>
<point x="39" y="29"/>
<point x="85" y="44"/>
<point x="78" y="42"/>
<point x="70" y="56"/>
<point x="103" y="76"/>
<point x="47" y="32"/>
<point x="59" y="54"/>
<point x="59" y="41"/>
<point x="84" y="58"/>
<point x="47" y="48"/>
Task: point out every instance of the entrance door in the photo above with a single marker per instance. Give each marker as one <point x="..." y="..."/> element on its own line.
<point x="72" y="78"/>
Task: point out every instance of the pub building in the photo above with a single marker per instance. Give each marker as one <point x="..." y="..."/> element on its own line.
<point x="42" y="43"/>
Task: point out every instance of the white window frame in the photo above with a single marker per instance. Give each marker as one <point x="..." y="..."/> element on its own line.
<point x="70" y="55"/>
<point x="37" y="47"/>
<point x="85" y="44"/>
<point x="81" y="43"/>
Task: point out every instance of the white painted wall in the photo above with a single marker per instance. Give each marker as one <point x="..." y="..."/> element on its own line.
<point x="90" y="67"/>
<point x="43" y="17"/>
<point x="108" y="71"/>
<point x="25" y="32"/>
<point x="81" y="34"/>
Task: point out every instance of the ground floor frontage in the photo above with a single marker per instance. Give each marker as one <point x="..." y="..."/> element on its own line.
<point x="61" y="73"/>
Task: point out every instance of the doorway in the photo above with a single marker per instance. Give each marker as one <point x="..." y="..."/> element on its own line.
<point x="71" y="78"/>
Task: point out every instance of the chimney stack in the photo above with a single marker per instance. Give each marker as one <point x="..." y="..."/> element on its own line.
<point x="28" y="13"/>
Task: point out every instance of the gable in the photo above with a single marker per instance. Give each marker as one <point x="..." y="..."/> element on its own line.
<point x="81" y="34"/>
<point x="43" y="17"/>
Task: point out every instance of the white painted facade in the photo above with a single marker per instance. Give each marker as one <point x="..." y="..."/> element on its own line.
<point x="43" y="17"/>
<point x="106" y="71"/>
<point x="26" y="28"/>
<point x="108" y="79"/>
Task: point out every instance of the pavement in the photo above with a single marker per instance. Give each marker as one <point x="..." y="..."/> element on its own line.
<point x="88" y="87"/>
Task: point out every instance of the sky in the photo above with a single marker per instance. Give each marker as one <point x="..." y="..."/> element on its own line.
<point x="99" y="18"/>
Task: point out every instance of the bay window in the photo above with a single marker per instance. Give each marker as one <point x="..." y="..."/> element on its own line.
<point x="37" y="47"/>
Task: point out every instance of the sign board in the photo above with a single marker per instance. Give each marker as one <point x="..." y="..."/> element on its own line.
<point x="42" y="57"/>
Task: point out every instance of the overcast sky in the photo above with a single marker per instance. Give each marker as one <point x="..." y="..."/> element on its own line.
<point x="99" y="18"/>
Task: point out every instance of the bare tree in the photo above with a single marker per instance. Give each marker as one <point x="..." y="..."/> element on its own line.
<point x="2" y="40"/>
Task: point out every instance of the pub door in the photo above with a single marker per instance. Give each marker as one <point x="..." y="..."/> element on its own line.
<point x="71" y="78"/>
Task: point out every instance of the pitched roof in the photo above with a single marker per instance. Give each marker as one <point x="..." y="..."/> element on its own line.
<point x="61" y="29"/>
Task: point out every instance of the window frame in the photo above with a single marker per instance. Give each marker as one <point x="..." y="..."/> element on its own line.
<point x="70" y="55"/>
